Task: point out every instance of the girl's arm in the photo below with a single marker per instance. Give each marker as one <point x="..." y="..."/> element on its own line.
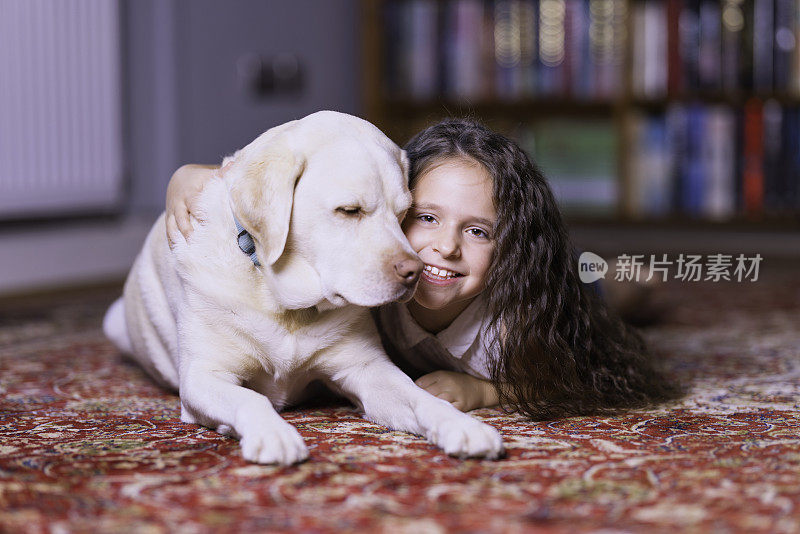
<point x="184" y="186"/>
<point x="463" y="391"/>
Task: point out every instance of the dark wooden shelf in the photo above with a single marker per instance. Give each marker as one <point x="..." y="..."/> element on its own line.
<point x="733" y="99"/>
<point x="524" y="107"/>
<point x="789" y="224"/>
<point x="548" y="106"/>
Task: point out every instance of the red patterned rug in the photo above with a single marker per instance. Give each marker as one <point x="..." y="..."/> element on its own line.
<point x="89" y="444"/>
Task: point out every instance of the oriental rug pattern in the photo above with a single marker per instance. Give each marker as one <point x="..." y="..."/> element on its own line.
<point x="89" y="444"/>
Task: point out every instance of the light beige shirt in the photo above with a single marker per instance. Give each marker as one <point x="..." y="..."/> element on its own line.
<point x="460" y="347"/>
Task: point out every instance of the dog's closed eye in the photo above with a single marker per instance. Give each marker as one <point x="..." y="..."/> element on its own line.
<point x="350" y="211"/>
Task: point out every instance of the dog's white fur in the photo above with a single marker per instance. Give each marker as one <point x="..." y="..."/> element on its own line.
<point x="240" y="342"/>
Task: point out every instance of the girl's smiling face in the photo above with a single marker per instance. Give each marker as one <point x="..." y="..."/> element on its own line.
<point x="450" y="227"/>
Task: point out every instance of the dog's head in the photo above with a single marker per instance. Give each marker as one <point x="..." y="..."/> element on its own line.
<point x="323" y="198"/>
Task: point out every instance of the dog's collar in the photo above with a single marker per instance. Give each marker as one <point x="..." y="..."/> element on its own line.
<point x="246" y="243"/>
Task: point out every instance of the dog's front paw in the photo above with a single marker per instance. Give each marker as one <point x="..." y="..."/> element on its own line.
<point x="278" y="444"/>
<point x="466" y="437"/>
<point x="187" y="417"/>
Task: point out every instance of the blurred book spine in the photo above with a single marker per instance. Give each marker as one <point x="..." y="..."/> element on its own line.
<point x="608" y="41"/>
<point x="463" y="46"/>
<point x="552" y="38"/>
<point x="422" y="60"/>
<point x="720" y="154"/>
<point x="753" y="169"/>
<point x="649" y="167"/>
<point x="649" y="52"/>
<point x="763" y="38"/>
<point x="731" y="37"/>
<point x="709" y="56"/>
<point x="786" y="44"/>
<point x="794" y="44"/>
<point x="675" y="83"/>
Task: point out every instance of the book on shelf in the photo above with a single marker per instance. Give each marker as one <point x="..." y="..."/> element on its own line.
<point x="394" y="71"/>
<point x="649" y="48"/>
<point x="422" y="59"/>
<point x="514" y="48"/>
<point x="676" y="120"/>
<point x="578" y="50"/>
<point x="675" y="82"/>
<point x="552" y="65"/>
<point x="719" y="151"/>
<point x="786" y="26"/>
<point x="772" y="119"/>
<point x="746" y="48"/>
<point x="691" y="186"/>
<point x="788" y="170"/>
<point x="709" y="52"/>
<point x="794" y="82"/>
<point x="689" y="44"/>
<point x="753" y="157"/>
<point x="607" y="36"/>
<point x="463" y="45"/>
<point x="650" y="190"/>
<point x="731" y="45"/>
<point x="763" y="38"/>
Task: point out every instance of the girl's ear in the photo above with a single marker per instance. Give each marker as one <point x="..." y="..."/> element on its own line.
<point x="262" y="193"/>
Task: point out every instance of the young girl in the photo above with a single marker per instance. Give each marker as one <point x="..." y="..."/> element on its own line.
<point x="500" y="315"/>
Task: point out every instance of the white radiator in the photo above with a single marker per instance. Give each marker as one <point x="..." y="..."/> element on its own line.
<point x="60" y="107"/>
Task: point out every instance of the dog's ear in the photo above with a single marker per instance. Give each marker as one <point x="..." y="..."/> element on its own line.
<point x="262" y="196"/>
<point x="404" y="164"/>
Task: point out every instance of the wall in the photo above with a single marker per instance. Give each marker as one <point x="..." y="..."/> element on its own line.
<point x="187" y="102"/>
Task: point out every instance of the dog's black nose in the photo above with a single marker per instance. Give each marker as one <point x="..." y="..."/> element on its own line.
<point x="408" y="271"/>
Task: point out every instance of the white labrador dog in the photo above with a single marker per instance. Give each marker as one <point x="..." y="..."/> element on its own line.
<point x="322" y="198"/>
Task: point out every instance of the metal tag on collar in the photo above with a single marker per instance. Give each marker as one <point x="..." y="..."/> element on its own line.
<point x="246" y="243"/>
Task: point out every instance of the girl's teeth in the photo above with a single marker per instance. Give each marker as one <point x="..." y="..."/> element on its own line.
<point x="440" y="273"/>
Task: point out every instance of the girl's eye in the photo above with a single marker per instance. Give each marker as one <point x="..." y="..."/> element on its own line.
<point x="426" y="218"/>
<point x="477" y="232"/>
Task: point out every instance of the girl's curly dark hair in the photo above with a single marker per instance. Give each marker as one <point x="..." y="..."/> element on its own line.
<point x="560" y="350"/>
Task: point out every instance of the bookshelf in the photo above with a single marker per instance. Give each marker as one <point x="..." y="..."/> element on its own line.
<point x="664" y="113"/>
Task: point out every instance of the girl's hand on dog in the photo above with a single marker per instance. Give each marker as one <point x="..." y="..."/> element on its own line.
<point x="463" y="391"/>
<point x="184" y="187"/>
